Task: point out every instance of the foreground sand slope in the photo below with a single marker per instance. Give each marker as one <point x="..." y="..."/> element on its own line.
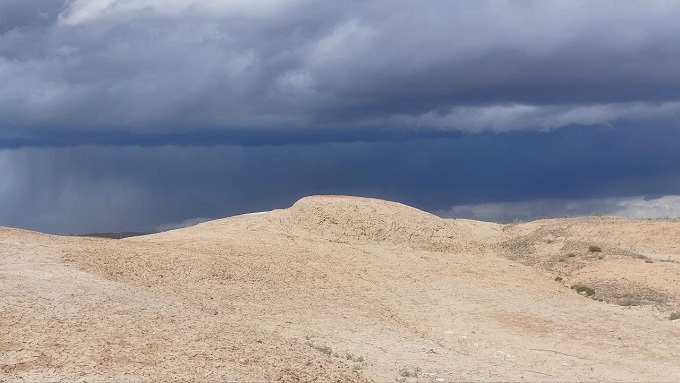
<point x="345" y="288"/>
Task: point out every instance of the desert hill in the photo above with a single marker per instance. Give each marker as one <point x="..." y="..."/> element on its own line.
<point x="346" y="289"/>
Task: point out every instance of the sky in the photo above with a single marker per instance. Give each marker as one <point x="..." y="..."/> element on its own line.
<point x="146" y="115"/>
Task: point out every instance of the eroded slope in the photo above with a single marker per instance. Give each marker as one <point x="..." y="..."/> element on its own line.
<point x="626" y="262"/>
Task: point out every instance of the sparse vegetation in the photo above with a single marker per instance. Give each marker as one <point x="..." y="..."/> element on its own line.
<point x="322" y="349"/>
<point x="406" y="373"/>
<point x="594" y="249"/>
<point x="325" y="350"/>
<point x="354" y="358"/>
<point x="582" y="289"/>
<point x="674" y="315"/>
<point x="628" y="301"/>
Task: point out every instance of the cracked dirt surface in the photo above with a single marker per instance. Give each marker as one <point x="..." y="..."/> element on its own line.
<point x="345" y="289"/>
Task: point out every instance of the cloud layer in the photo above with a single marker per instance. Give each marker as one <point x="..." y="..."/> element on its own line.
<point x="164" y="67"/>
<point x="139" y="114"/>
<point x="631" y="207"/>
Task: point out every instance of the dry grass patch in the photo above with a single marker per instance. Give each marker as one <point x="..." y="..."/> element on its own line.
<point x="410" y="373"/>
<point x="585" y="290"/>
<point x="628" y="301"/>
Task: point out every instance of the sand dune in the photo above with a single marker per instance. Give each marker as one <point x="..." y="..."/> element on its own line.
<point x="345" y="289"/>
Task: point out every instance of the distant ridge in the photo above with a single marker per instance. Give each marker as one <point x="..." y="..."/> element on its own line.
<point x="121" y="235"/>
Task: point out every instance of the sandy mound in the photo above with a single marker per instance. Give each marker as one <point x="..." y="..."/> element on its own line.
<point x="345" y="288"/>
<point x="353" y="219"/>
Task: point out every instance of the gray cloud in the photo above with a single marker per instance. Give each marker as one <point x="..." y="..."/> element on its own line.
<point x="631" y="207"/>
<point x="23" y="14"/>
<point x="504" y="118"/>
<point x="186" y="65"/>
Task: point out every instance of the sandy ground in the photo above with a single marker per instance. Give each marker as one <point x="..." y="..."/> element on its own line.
<point x="345" y="289"/>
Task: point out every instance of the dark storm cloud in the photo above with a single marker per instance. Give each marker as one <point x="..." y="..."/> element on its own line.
<point x="181" y="66"/>
<point x="579" y="170"/>
<point x="142" y="114"/>
<point x="28" y="14"/>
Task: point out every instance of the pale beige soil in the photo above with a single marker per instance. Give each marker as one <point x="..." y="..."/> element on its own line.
<point x="388" y="291"/>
